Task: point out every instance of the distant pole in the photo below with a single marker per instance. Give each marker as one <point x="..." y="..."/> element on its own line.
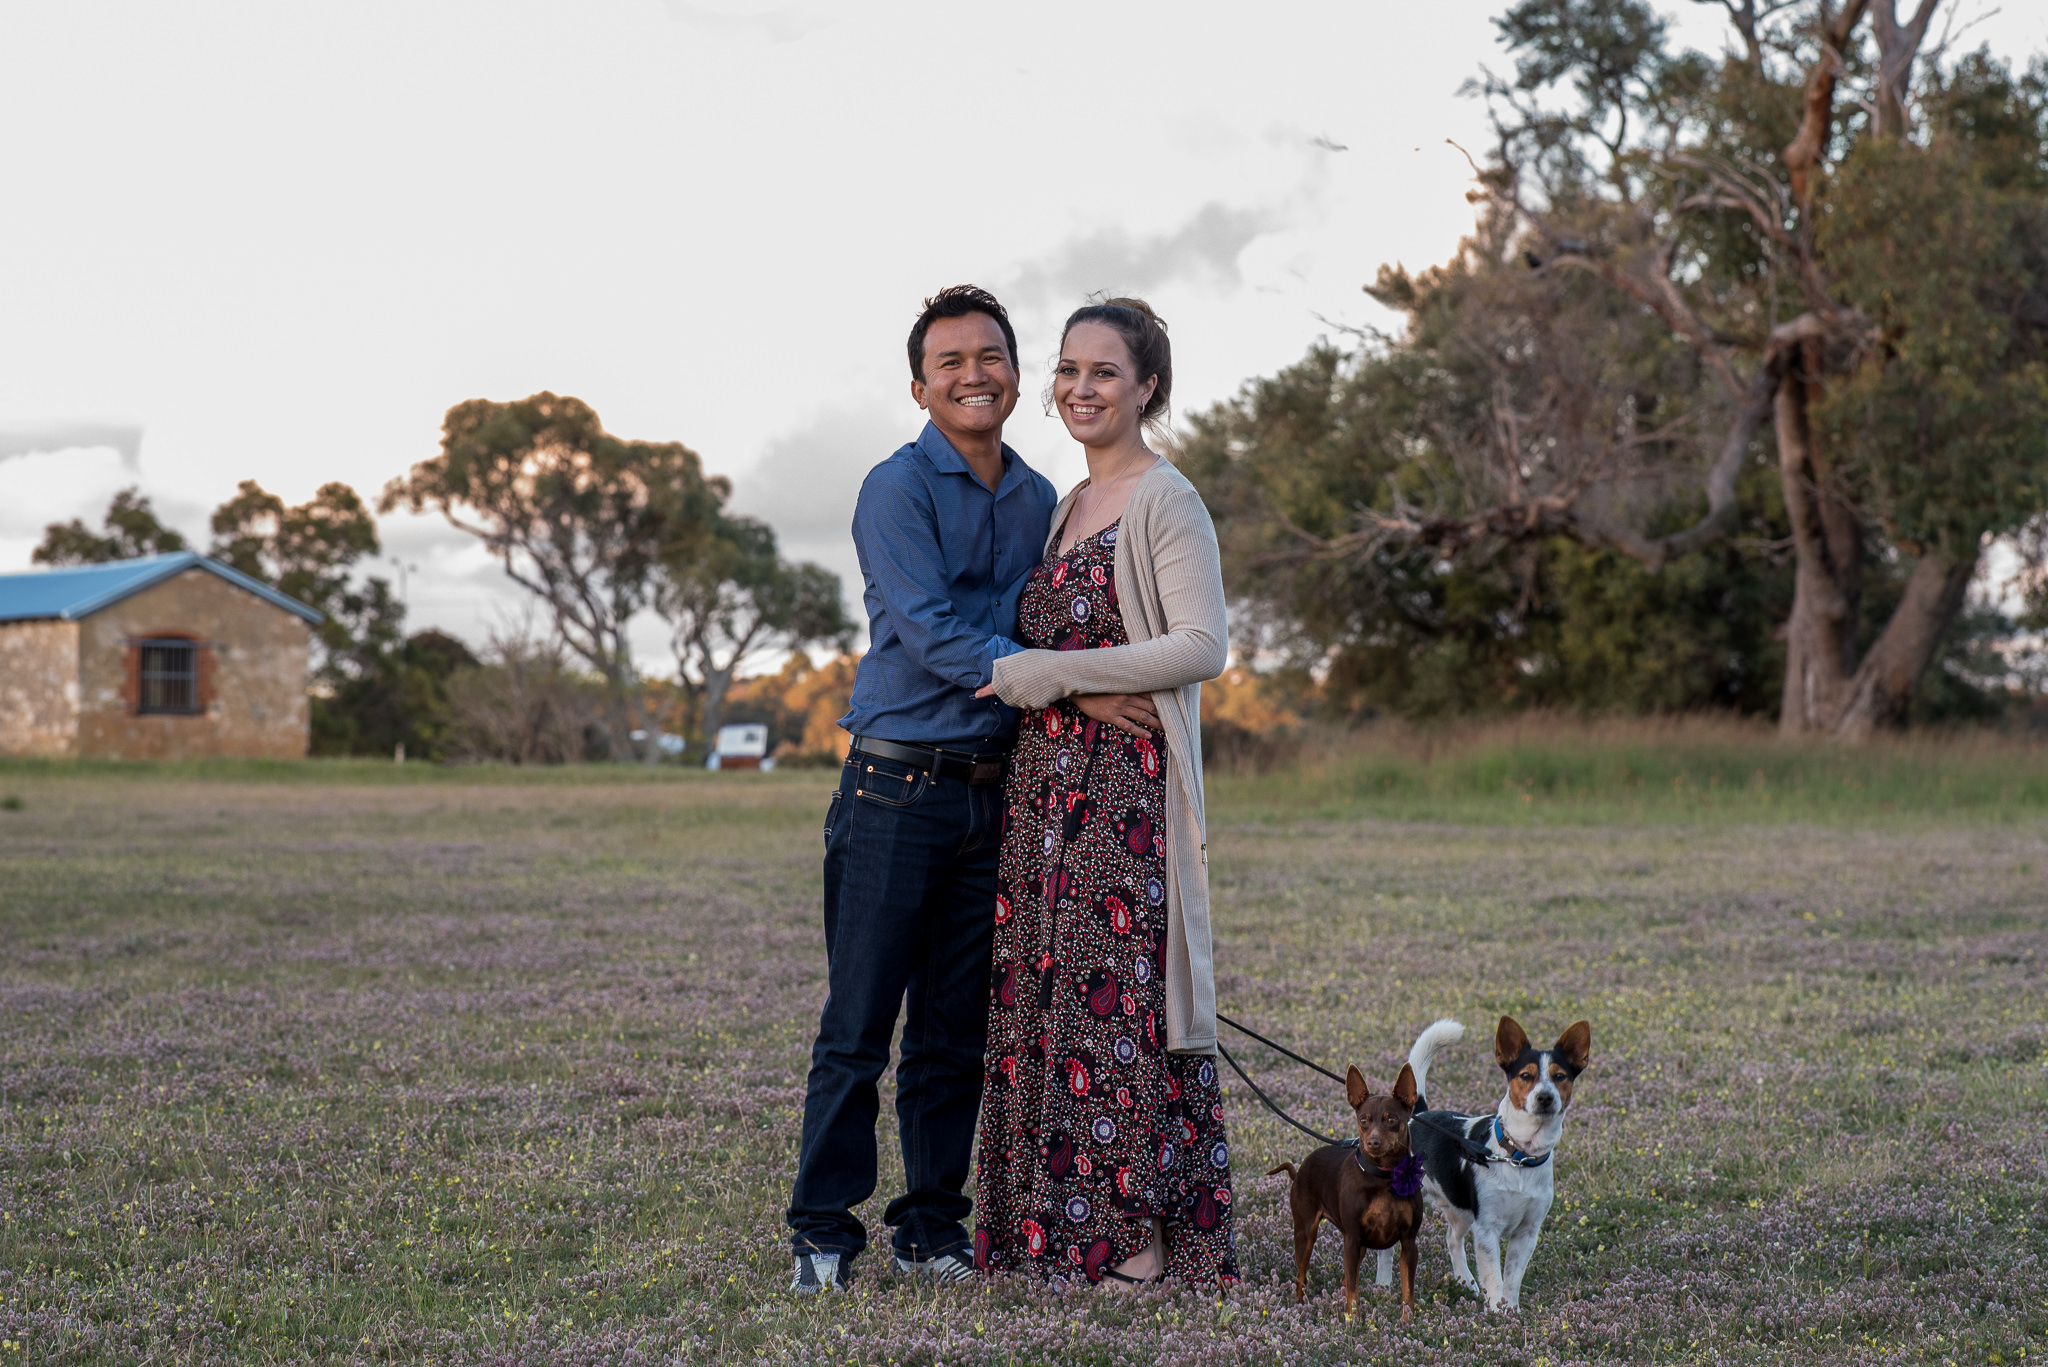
<point x="404" y="596"/>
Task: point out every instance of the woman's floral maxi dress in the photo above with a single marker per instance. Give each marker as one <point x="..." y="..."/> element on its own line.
<point x="1089" y="1128"/>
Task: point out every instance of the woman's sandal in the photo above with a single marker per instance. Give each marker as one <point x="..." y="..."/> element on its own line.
<point x="1129" y="1280"/>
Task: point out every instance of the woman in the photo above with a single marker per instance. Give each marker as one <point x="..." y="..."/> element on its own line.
<point x="1102" y="1145"/>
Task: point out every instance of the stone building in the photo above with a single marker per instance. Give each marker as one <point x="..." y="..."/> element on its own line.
<point x="164" y="657"/>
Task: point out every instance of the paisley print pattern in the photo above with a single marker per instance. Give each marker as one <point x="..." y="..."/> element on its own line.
<point x="1089" y="1127"/>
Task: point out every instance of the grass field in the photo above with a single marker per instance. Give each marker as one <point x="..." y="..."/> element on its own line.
<point x="336" y="1063"/>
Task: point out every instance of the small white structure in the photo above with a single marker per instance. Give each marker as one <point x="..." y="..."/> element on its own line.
<point x="666" y="743"/>
<point x="741" y="747"/>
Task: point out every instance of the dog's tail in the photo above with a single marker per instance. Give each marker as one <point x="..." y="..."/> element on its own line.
<point x="1423" y="1053"/>
<point x="1287" y="1168"/>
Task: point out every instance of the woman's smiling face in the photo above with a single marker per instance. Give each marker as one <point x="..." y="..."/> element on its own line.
<point x="1094" y="388"/>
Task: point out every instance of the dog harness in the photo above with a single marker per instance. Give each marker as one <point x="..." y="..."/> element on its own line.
<point x="1515" y="1155"/>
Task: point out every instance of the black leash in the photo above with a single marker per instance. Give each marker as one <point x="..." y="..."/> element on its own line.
<point x="1276" y="1048"/>
<point x="1270" y="1104"/>
<point x="1475" y="1151"/>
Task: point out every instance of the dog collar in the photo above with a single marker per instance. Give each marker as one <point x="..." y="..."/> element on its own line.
<point x="1515" y="1155"/>
<point x="1405" y="1177"/>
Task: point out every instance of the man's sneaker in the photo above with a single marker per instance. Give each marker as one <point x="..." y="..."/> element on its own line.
<point x="817" y="1272"/>
<point x="947" y="1269"/>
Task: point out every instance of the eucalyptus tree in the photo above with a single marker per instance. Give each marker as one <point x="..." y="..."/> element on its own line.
<point x="1826" y="250"/>
<point x="131" y="529"/>
<point x="307" y="550"/>
<point x="732" y="600"/>
<point x="580" y="518"/>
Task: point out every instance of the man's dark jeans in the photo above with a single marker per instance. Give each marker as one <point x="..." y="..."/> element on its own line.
<point x="910" y="892"/>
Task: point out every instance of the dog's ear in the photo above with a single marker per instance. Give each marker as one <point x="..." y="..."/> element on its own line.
<point x="1355" y="1090"/>
<point x="1509" y="1042"/>
<point x="1404" y="1087"/>
<point x="1575" y="1046"/>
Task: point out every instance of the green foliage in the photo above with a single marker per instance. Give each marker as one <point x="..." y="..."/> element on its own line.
<point x="392" y="692"/>
<point x="1404" y="631"/>
<point x="1609" y="51"/>
<point x="1611" y="637"/>
<point x="1943" y="426"/>
<point x="306" y="551"/>
<point x="131" y="530"/>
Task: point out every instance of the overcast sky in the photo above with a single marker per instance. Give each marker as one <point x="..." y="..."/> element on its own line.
<point x="278" y="241"/>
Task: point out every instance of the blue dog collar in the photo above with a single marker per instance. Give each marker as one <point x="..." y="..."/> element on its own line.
<point x="1515" y="1155"/>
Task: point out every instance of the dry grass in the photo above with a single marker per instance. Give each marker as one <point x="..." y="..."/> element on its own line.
<point x="1684" y="768"/>
<point x="489" y="1067"/>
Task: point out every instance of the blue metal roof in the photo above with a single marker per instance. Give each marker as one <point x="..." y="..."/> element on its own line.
<point x="77" y="591"/>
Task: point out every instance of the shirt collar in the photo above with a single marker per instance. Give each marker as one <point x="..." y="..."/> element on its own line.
<point x="934" y="446"/>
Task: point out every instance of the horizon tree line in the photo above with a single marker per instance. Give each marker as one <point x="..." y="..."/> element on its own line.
<point x="596" y="528"/>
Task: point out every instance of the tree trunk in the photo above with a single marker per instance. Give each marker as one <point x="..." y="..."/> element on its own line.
<point x="1897" y="46"/>
<point x="624" y="713"/>
<point x="1826" y="691"/>
<point x="1883" y="686"/>
<point x="1820" y="638"/>
<point x="716" y="682"/>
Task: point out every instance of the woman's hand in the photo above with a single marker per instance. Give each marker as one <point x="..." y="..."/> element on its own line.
<point x="1131" y="713"/>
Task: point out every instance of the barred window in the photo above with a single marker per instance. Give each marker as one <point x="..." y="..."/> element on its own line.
<point x="170" y="677"/>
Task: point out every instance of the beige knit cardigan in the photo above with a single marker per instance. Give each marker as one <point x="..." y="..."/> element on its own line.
<point x="1169" y="584"/>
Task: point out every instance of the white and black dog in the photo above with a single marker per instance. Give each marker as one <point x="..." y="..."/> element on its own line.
<point x="1490" y="1175"/>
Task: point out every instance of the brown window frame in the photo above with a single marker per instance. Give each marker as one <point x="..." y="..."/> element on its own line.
<point x="199" y="680"/>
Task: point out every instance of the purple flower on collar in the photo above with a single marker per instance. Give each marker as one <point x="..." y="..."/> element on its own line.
<point x="1407" y="1178"/>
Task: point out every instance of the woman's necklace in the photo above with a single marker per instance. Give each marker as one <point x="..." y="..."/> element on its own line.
<point x="1098" y="494"/>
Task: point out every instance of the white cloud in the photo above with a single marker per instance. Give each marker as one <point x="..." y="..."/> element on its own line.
<point x="33" y="438"/>
<point x="1203" y="250"/>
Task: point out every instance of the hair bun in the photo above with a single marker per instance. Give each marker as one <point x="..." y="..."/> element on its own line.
<point x="1138" y="306"/>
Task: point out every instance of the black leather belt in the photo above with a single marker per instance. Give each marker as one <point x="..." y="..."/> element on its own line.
<point x="977" y="770"/>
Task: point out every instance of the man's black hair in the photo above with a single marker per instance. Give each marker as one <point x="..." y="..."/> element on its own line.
<point x="957" y="301"/>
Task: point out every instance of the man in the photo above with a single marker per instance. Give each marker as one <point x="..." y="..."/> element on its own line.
<point x="948" y="529"/>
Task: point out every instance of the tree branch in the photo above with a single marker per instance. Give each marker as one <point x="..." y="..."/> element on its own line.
<point x="1664" y="298"/>
<point x="1897" y="45"/>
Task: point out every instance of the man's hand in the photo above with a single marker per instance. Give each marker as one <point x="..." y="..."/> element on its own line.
<point x="1132" y="713"/>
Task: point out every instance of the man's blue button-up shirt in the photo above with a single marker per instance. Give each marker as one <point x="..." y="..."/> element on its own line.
<point x="943" y="560"/>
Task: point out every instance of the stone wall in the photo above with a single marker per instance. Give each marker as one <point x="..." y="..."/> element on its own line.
<point x="39" y="688"/>
<point x="253" y="671"/>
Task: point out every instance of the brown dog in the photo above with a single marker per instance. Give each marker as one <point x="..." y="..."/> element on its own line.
<point x="1370" y="1190"/>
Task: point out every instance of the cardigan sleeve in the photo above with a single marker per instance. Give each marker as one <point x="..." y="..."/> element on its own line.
<point x="1194" y="647"/>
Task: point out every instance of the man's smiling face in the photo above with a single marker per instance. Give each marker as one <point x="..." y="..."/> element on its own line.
<point x="970" y="383"/>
